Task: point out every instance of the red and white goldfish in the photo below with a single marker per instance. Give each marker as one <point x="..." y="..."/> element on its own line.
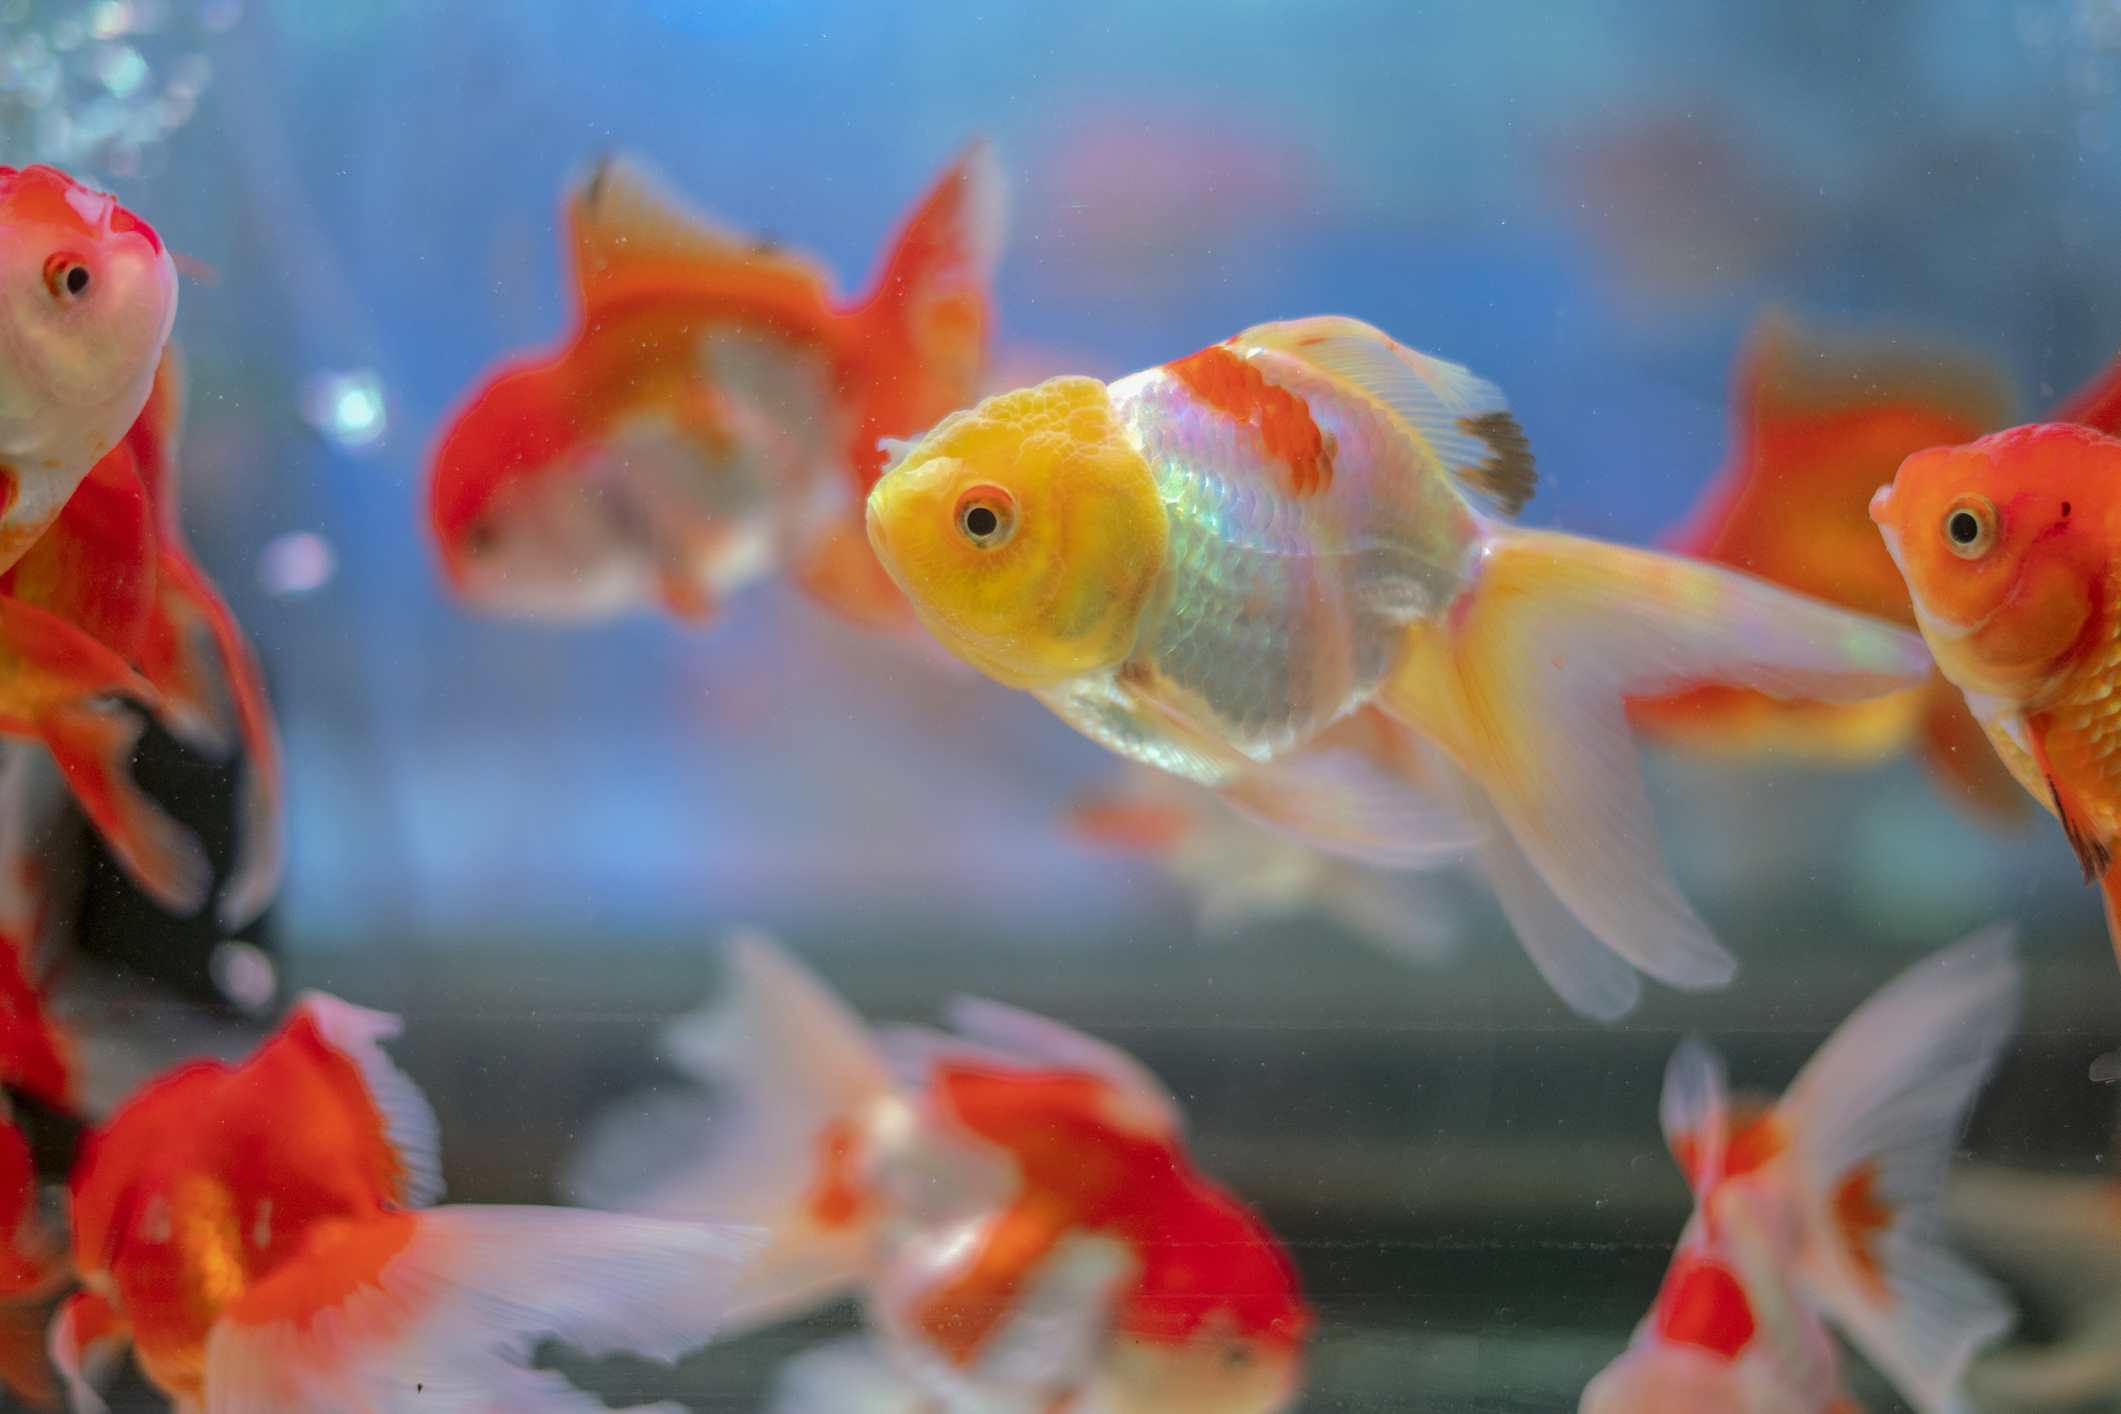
<point x="87" y="298"/>
<point x="714" y="414"/>
<point x="1014" y="1202"/>
<point x="1822" y="1210"/>
<point x="2008" y="546"/>
<point x="1816" y="425"/>
<point x="109" y="603"/>
<point x="1262" y="567"/>
<point x="259" y="1234"/>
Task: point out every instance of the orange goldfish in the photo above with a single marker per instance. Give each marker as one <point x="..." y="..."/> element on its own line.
<point x="1017" y="1206"/>
<point x="714" y="415"/>
<point x="87" y="297"/>
<point x="111" y="585"/>
<point x="1817" y="424"/>
<point x="2008" y="546"/>
<point x="1219" y="566"/>
<point x="36" y="1064"/>
<point x="259" y="1234"/>
<point x="1822" y="1209"/>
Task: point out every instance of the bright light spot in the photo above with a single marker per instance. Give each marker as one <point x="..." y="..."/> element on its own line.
<point x="244" y="975"/>
<point x="120" y="69"/>
<point x="297" y="564"/>
<point x="348" y="409"/>
<point x="110" y="19"/>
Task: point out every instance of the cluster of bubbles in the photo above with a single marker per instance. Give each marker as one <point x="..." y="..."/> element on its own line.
<point x="97" y="88"/>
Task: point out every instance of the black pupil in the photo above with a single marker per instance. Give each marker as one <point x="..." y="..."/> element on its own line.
<point x="980" y="522"/>
<point x="77" y="279"/>
<point x="1964" y="527"/>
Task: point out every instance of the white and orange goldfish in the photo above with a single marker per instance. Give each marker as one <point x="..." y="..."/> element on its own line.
<point x="87" y="298"/>
<point x="1262" y="567"/>
<point x="1013" y="1202"/>
<point x="714" y="415"/>
<point x="260" y="1235"/>
<point x="1822" y="1210"/>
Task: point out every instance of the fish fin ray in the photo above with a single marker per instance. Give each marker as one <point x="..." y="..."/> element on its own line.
<point x="409" y="1123"/>
<point x="1958" y="753"/>
<point x="1586" y="974"/>
<point x="461" y="1305"/>
<point x="1874" y="1118"/>
<point x="1337" y="800"/>
<point x="1525" y="684"/>
<point x="1463" y="418"/>
<point x="792" y="1069"/>
<point x="1695" y="1114"/>
<point x="930" y="313"/>
<point x="93" y="742"/>
<point x="621" y="216"/>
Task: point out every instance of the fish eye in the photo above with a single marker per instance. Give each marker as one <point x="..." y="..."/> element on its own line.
<point x="66" y="276"/>
<point x="480" y="536"/>
<point x="986" y="516"/>
<point x="1970" y="528"/>
<point x="1237" y="1356"/>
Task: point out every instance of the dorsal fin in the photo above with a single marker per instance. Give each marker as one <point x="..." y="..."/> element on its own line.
<point x="621" y="217"/>
<point x="1465" y="420"/>
<point x="1787" y="370"/>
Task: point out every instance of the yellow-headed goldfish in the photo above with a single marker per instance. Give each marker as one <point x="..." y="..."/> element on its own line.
<point x="2008" y="546"/>
<point x="714" y="415"/>
<point x="1816" y="425"/>
<point x="1822" y="1209"/>
<point x="1262" y="567"/>
<point x="1014" y="1202"/>
<point x="87" y="297"/>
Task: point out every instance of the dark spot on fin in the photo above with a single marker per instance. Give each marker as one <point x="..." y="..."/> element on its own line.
<point x="1508" y="477"/>
<point x="2093" y="856"/>
<point x="599" y="178"/>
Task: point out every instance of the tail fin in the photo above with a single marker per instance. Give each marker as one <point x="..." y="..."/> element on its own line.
<point x="449" y="1305"/>
<point x="64" y="686"/>
<point x="197" y="656"/>
<point x="1873" y="1119"/>
<point x="793" y="1070"/>
<point x="1524" y="686"/>
<point x="928" y="320"/>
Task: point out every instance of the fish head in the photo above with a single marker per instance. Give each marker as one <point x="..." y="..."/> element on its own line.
<point x="1027" y="533"/>
<point x="2003" y="543"/>
<point x="1221" y="1368"/>
<point x="87" y="298"/>
<point x="520" y="528"/>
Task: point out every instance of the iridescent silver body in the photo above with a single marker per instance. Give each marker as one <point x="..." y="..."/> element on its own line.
<point x="1275" y="614"/>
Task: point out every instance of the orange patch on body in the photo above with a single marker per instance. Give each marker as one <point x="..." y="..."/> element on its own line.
<point x="339" y="1259"/>
<point x="1757" y="1136"/>
<point x="1239" y="392"/>
<point x="838" y="1199"/>
<point x="1860" y="1215"/>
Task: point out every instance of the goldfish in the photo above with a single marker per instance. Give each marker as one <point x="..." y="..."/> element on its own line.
<point x="714" y="414"/>
<point x="1265" y="567"/>
<point x="1238" y="871"/>
<point x="2007" y="545"/>
<point x="1014" y="1202"/>
<point x="2058" y="1238"/>
<point x="1817" y="424"/>
<point x="108" y="604"/>
<point x="37" y="1067"/>
<point x="260" y="1235"/>
<point x="1822" y="1210"/>
<point x="87" y="298"/>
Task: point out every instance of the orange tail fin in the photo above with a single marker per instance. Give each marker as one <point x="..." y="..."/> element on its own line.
<point x="923" y="332"/>
<point x="190" y="619"/>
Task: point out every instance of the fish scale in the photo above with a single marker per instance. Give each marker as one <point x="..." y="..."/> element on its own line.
<point x="2084" y="736"/>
